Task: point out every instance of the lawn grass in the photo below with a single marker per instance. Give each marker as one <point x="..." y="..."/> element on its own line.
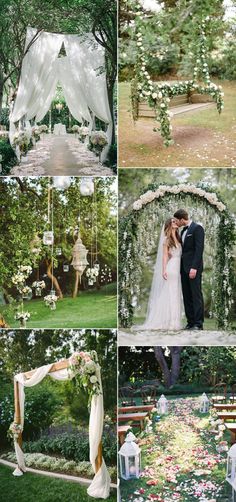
<point x="202" y="138"/>
<point x="91" y="309"/>
<point x="38" y="488"/>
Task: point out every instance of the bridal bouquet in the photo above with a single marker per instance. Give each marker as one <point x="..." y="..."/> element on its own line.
<point x="84" y="366"/>
<point x="98" y="140"/>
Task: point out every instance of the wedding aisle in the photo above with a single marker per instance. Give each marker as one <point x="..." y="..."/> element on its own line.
<point x="158" y="337"/>
<point x="58" y="156"/>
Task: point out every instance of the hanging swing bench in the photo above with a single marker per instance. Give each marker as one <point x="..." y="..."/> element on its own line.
<point x="163" y="100"/>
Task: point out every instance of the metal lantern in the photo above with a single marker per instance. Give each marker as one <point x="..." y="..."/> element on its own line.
<point x="162" y="404"/>
<point x="61" y="182"/>
<point x="231" y="469"/>
<point x="66" y="267"/>
<point x="86" y="186"/>
<point x="130" y="459"/>
<point x="48" y="238"/>
<point x="58" y="251"/>
<point x="79" y="254"/>
<point x="204" y="405"/>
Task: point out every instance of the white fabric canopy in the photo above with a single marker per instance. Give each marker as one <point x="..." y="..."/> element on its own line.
<point x="100" y="486"/>
<point x="84" y="89"/>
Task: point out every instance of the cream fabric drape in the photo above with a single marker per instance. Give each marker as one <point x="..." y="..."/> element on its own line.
<point x="100" y="486"/>
<point x="83" y="82"/>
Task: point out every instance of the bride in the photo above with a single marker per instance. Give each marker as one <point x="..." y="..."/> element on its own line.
<point x="165" y="301"/>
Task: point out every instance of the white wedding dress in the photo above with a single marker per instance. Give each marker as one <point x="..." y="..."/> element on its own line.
<point x="165" y="302"/>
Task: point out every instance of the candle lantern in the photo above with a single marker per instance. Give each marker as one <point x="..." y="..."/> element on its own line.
<point x="79" y="253"/>
<point x="162" y="405"/>
<point x="204" y="405"/>
<point x="48" y="238"/>
<point x="66" y="267"/>
<point x="231" y="470"/>
<point x="58" y="251"/>
<point x="130" y="458"/>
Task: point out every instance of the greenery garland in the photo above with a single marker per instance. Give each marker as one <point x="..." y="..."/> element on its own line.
<point x="133" y="252"/>
<point x="158" y="95"/>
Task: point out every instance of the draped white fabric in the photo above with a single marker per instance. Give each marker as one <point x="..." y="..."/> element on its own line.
<point x="100" y="486"/>
<point x="83" y="84"/>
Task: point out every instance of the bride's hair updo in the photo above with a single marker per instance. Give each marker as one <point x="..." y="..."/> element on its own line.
<point x="168" y="234"/>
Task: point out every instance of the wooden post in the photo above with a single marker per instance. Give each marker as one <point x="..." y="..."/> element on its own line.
<point x="98" y="461"/>
<point x="17" y="417"/>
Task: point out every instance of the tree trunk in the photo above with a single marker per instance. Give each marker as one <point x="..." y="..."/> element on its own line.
<point x="170" y="375"/>
<point x="76" y="287"/>
<point x="53" y="279"/>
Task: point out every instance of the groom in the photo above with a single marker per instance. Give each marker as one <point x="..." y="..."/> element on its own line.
<point x="192" y="237"/>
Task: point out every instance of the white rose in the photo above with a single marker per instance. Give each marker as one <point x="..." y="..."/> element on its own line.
<point x="137" y="205"/>
<point x="154" y="95"/>
<point x="163" y="105"/>
<point x="159" y="95"/>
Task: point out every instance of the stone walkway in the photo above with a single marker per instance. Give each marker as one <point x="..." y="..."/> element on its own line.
<point x="59" y="156"/>
<point x="159" y="338"/>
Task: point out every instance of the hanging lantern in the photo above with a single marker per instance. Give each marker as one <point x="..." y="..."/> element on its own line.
<point x="38" y="292"/>
<point x="66" y="267"/>
<point x="58" y="251"/>
<point x="130" y="459"/>
<point x="61" y="182"/>
<point x="48" y="238"/>
<point x="86" y="186"/>
<point x="79" y="254"/>
<point x="204" y="405"/>
<point x="162" y="404"/>
<point x="231" y="469"/>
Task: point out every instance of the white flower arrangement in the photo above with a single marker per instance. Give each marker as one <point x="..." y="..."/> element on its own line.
<point x="98" y="140"/>
<point x="22" y="316"/>
<point x="43" y="129"/>
<point x="39" y="284"/>
<point x="15" y="430"/>
<point x="50" y="299"/>
<point x="92" y="274"/>
<point x="75" y="128"/>
<point x="25" y="291"/>
<point x="22" y="140"/>
<point x="150" y="195"/>
<point x="84" y="367"/>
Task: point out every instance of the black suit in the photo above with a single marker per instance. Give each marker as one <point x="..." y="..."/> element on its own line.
<point x="192" y="251"/>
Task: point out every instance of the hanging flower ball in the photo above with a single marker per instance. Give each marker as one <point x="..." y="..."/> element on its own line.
<point x="61" y="182"/>
<point x="86" y="186"/>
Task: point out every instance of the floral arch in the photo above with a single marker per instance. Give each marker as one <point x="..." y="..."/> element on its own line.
<point x="159" y="95"/>
<point x="139" y="232"/>
<point x="84" y="367"/>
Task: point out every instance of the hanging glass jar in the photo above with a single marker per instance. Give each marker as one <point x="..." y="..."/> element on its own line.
<point x="58" y="251"/>
<point x="66" y="267"/>
<point x="38" y="292"/>
<point x="48" y="238"/>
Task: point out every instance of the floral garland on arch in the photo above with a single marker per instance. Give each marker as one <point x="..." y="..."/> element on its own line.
<point x="84" y="366"/>
<point x="158" y="95"/>
<point x="135" y="248"/>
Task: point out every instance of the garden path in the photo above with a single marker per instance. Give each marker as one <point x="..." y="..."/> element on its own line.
<point x="183" y="458"/>
<point x="150" y="338"/>
<point x="61" y="155"/>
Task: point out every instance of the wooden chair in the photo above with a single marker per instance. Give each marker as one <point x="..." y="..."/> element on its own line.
<point x="232" y="397"/>
<point x="126" y="395"/>
<point x="220" y="393"/>
<point x="148" y="394"/>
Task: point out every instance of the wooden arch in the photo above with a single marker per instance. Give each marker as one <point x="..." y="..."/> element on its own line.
<point x="61" y="365"/>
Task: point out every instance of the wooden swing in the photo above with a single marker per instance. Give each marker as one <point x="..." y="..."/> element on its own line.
<point x="17" y="418"/>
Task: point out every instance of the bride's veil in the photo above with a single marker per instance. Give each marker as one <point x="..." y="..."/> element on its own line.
<point x="157" y="285"/>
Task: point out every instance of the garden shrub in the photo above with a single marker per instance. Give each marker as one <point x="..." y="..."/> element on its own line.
<point x="9" y="158"/>
<point x="40" y="408"/>
<point x="73" y="446"/>
<point x="55" y="464"/>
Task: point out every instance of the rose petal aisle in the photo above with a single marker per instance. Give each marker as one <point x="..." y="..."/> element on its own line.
<point x="181" y="459"/>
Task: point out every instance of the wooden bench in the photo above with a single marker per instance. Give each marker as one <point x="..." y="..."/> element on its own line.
<point x="135" y="409"/>
<point x="232" y="428"/>
<point x="178" y="104"/>
<point x="122" y="431"/>
<point x="133" y="417"/>
<point x="227" y="415"/>
<point x="224" y="407"/>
